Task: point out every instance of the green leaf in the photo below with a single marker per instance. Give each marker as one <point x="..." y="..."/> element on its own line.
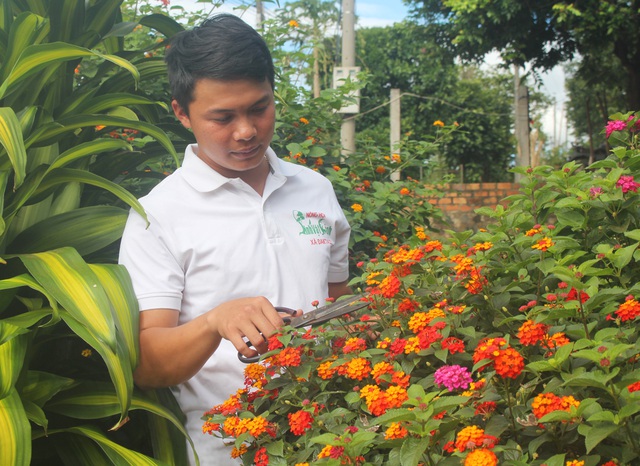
<point x="40" y="386"/>
<point x="116" y="282"/>
<point x="50" y="133"/>
<point x="412" y="451"/>
<point x="71" y="282"/>
<point x="15" y="441"/>
<point x="597" y="434"/>
<point x="36" y="57"/>
<point x="87" y="230"/>
<point x="12" y="141"/>
<point x="162" y="24"/>
<point x="12" y="354"/>
<point x="68" y="175"/>
<point x="118" y="454"/>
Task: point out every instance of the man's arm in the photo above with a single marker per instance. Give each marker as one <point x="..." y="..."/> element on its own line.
<point x="172" y="353"/>
<point x="339" y="289"/>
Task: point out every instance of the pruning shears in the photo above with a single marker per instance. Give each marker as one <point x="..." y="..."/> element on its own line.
<point x="316" y="317"/>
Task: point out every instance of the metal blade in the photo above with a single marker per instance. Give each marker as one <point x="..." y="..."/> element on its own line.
<point x="326" y="313"/>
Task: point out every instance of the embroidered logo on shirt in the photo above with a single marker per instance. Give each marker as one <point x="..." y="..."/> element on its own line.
<point x="313" y="223"/>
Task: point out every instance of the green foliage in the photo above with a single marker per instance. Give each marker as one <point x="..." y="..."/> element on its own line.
<point x="75" y="127"/>
<point x="543" y="34"/>
<point x="516" y="345"/>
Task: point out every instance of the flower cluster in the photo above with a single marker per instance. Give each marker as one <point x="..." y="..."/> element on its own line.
<point x="514" y="344"/>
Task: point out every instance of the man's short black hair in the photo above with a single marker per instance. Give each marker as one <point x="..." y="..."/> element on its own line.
<point x="223" y="47"/>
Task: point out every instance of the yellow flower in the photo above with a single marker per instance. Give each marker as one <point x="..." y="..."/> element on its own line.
<point x="395" y="157"/>
<point x="438" y="123"/>
<point x="356" y="207"/>
<point x="86" y="353"/>
<point x="293" y="23"/>
<point x="304" y="121"/>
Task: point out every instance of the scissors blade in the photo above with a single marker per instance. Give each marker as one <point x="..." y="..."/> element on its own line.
<point x="325" y="313"/>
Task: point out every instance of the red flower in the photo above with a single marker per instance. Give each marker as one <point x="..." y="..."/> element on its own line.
<point x="300" y="422"/>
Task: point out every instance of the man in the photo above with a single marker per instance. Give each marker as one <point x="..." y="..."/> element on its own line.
<point x="232" y="232"/>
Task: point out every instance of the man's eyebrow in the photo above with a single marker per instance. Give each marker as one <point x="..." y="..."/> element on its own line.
<point x="261" y="101"/>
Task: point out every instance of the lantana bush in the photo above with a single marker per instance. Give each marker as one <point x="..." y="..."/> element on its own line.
<point x="516" y="344"/>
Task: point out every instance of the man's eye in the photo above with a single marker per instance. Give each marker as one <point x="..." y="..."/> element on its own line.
<point x="222" y="120"/>
<point x="259" y="109"/>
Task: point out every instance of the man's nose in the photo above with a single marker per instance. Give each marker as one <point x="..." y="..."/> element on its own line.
<point x="245" y="130"/>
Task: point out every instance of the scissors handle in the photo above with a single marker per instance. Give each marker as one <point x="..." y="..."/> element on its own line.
<point x="286" y="319"/>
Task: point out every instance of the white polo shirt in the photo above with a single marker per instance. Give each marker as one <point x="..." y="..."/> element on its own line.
<point x="212" y="239"/>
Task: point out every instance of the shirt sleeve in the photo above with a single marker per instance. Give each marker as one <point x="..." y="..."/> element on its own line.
<point x="339" y="265"/>
<point x="156" y="275"/>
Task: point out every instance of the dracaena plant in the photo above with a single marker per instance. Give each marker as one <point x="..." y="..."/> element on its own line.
<point x="68" y="316"/>
<point x="516" y="344"/>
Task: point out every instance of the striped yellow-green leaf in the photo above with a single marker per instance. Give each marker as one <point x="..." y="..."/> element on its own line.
<point x="76" y="450"/>
<point x="87" y="230"/>
<point x="15" y="441"/>
<point x="36" y="57"/>
<point x="11" y="140"/>
<point x="117" y="363"/>
<point x="69" y="175"/>
<point x="12" y="354"/>
<point x="92" y="400"/>
<point x="40" y="387"/>
<point x="101" y="103"/>
<point x="117" y="284"/>
<point x="26" y="30"/>
<point x="9" y="331"/>
<point x="49" y="133"/>
<point x="35" y="413"/>
<point x="118" y="454"/>
<point x="87" y="149"/>
<point x="27" y="319"/>
<point x="69" y="279"/>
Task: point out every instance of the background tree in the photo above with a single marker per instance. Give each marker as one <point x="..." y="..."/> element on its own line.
<point x="436" y="90"/>
<point x="541" y="34"/>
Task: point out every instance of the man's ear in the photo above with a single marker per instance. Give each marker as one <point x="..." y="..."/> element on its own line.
<point x="181" y="114"/>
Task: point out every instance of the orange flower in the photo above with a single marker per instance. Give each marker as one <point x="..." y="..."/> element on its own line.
<point x="237" y="452"/>
<point x="438" y="123"/>
<point x="356" y="207"/>
<point x="396" y="396"/>
<point x="375" y="399"/>
<point x="419" y="321"/>
<point x="300" y="422"/>
<point x="358" y="368"/>
<point x="531" y="333"/>
<point x="290" y="357"/>
<point x="293" y="23"/>
<point x="574" y="463"/>
<point x="628" y="310"/>
<point x="534" y="231"/>
<point x="257" y="426"/>
<point x="404" y="191"/>
<point x="304" y="121"/>
<point x="380" y="369"/>
<point x="380" y="169"/>
<point x="325" y="371"/>
<point x="353" y="345"/>
<point x="481" y="457"/>
<point x="545" y="403"/>
<point x="543" y="244"/>
<point x="395" y="431"/>
<point x="509" y="363"/>
<point x="389" y="286"/>
<point x="469" y="438"/>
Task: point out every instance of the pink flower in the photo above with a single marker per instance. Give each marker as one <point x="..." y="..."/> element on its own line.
<point x="453" y="377"/>
<point x="595" y="191"/>
<point x="627" y="183"/>
<point x="615" y="125"/>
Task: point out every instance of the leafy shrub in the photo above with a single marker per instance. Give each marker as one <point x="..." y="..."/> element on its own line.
<point x="517" y="344"/>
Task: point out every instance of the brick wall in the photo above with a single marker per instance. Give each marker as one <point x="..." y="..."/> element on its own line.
<point x="461" y="199"/>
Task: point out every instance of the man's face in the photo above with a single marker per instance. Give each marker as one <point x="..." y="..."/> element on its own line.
<point x="233" y="123"/>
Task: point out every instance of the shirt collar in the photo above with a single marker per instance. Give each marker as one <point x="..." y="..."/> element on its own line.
<point x="203" y="178"/>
